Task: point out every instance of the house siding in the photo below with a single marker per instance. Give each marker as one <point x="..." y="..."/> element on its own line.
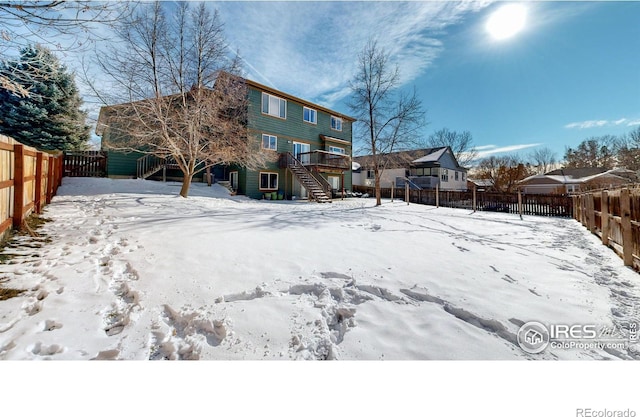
<point x="289" y="130"/>
<point x="122" y="164"/>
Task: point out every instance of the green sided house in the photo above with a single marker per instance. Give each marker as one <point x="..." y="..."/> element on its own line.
<point x="312" y="148"/>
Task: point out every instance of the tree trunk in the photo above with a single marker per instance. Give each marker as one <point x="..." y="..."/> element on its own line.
<point x="378" y="192"/>
<point x="186" y="183"/>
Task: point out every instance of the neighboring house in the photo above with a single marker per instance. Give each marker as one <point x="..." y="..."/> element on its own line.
<point x="481" y="185"/>
<point x="425" y="168"/>
<point x="313" y="145"/>
<point x="574" y="180"/>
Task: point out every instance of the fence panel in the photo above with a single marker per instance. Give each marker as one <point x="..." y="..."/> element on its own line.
<point x="614" y="215"/>
<point x="85" y="164"/>
<point x="532" y="204"/>
<point x="28" y="180"/>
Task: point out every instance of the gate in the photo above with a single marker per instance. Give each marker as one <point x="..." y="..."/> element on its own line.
<point x="85" y="164"/>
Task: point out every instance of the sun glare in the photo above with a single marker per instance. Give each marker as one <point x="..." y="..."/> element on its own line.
<point x="507" y="21"/>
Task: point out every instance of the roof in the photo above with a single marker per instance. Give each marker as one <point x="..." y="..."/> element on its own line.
<point x="577" y="172"/>
<point x="482" y="182"/>
<point x="402" y="159"/>
<point x="434" y="156"/>
<point x="576" y="176"/>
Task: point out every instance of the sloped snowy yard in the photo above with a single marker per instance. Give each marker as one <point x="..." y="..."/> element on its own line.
<point x="132" y="271"/>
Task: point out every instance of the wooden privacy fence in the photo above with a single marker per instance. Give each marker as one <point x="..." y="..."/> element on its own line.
<point x="85" y="164"/>
<point x="28" y="180"/>
<point x="614" y="216"/>
<point x="529" y="204"/>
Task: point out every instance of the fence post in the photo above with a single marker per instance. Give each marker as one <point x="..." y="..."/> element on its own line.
<point x="591" y="212"/>
<point x="407" y="197"/>
<point x="520" y="203"/>
<point x="38" y="185"/>
<point x="437" y="196"/>
<point x="474" y="199"/>
<point x="18" y="185"/>
<point x="625" y="215"/>
<point x="604" y="217"/>
<point x="393" y="188"/>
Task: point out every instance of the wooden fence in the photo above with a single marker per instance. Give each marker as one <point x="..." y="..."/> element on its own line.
<point x="614" y="216"/>
<point x="529" y="204"/>
<point x="85" y="164"/>
<point x="28" y="180"/>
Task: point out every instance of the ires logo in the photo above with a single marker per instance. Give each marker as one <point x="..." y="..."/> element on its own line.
<point x="535" y="337"/>
<point x="577" y="331"/>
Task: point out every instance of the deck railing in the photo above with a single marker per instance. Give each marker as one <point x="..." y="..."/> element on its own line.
<point x="325" y="159"/>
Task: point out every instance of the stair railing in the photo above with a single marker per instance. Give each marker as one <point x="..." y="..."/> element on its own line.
<point x="287" y="160"/>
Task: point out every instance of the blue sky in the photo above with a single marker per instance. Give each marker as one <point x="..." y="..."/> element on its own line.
<point x="572" y="72"/>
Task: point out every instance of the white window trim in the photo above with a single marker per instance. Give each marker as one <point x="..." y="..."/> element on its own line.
<point x="331" y="123"/>
<point x="269" y="173"/>
<point x="269" y="148"/>
<point x="268" y="112"/>
<point x="311" y="111"/>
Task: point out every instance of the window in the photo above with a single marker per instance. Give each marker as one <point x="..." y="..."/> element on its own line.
<point x="457" y="173"/>
<point x="310" y="115"/>
<point x="463" y="175"/>
<point x="370" y="174"/>
<point x="444" y="175"/>
<point x="335" y="182"/>
<point x="274" y="106"/>
<point x="335" y="149"/>
<point x="269" y="142"/>
<point x="268" y="181"/>
<point x="336" y="123"/>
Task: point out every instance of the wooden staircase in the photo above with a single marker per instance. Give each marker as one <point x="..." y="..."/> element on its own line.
<point x="151" y="164"/>
<point x="317" y="187"/>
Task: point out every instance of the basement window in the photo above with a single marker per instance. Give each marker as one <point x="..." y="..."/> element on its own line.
<point x="268" y="180"/>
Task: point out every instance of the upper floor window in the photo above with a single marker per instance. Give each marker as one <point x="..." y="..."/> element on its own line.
<point x="274" y="106"/>
<point x="310" y="115"/>
<point x="269" y="142"/>
<point x="335" y="149"/>
<point x="444" y="175"/>
<point x="457" y="174"/>
<point x="336" y="123"/>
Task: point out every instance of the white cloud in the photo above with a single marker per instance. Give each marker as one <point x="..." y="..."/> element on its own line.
<point x="487" y="150"/>
<point x="588" y="124"/>
<point x="310" y="49"/>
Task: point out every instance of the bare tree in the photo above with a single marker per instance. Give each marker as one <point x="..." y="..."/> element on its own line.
<point x="391" y="119"/>
<point x="57" y="24"/>
<point x="461" y="144"/>
<point x="542" y="160"/>
<point x="504" y="171"/>
<point x="627" y="148"/>
<point x="181" y="97"/>
<point x="595" y="152"/>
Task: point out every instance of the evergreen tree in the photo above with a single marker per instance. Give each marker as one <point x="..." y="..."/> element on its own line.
<point x="49" y="118"/>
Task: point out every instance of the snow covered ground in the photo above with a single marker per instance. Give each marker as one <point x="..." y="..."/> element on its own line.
<point x="132" y="271"/>
<point x="128" y="270"/>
